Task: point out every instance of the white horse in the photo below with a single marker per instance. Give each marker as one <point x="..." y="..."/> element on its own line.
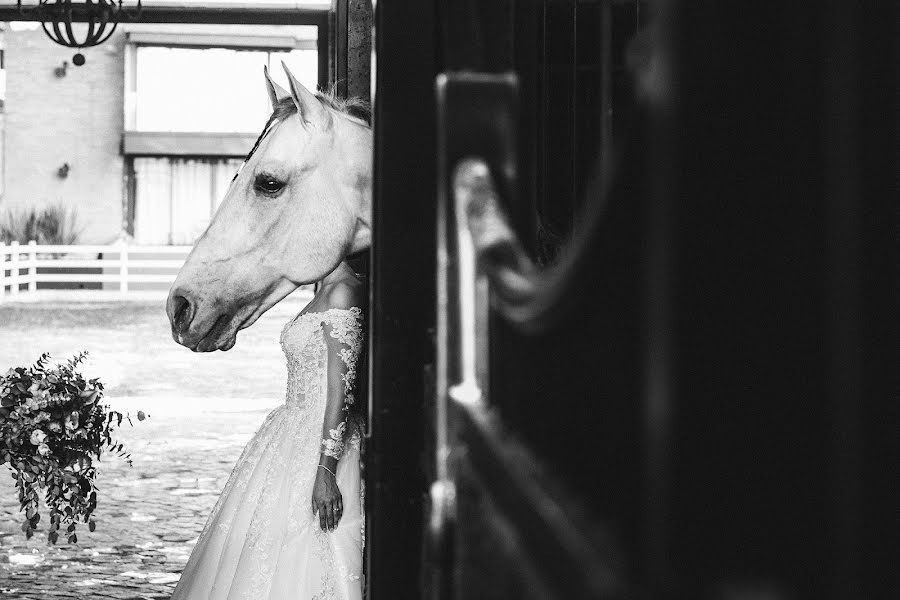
<point x="301" y="202"/>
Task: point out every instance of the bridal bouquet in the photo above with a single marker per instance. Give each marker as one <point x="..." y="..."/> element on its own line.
<point x="52" y="428"/>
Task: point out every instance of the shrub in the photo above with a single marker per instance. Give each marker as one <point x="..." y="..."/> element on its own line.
<point x="54" y="224"/>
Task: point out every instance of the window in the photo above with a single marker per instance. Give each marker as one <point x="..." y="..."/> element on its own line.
<point x="210" y="90"/>
<point x="194" y="103"/>
<point x="175" y="198"/>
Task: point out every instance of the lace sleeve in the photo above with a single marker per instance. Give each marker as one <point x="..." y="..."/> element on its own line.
<point x="343" y="338"/>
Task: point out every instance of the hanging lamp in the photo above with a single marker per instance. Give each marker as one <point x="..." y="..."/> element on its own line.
<point x="99" y="16"/>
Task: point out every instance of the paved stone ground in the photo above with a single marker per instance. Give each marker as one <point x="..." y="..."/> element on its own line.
<point x="203" y="409"/>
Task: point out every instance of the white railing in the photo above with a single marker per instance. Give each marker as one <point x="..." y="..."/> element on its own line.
<point x="116" y="266"/>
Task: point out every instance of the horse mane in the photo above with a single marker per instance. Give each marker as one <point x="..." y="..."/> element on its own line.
<point x="355" y="108"/>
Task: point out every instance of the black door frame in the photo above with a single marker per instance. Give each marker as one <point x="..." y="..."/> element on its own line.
<point x="403" y="292"/>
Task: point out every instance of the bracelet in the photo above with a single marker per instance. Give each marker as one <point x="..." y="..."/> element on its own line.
<point x="329" y="470"/>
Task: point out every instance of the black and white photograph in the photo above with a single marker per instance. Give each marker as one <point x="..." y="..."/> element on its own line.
<point x="449" y="299"/>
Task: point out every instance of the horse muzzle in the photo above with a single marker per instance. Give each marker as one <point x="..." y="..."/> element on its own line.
<point x="193" y="329"/>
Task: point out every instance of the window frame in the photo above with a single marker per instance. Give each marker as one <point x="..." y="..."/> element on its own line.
<point x="205" y="146"/>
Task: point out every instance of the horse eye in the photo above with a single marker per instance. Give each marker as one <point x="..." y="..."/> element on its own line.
<point x="268" y="184"/>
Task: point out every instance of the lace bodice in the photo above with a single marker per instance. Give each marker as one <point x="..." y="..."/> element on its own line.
<point x="303" y="342"/>
<point x="308" y="341"/>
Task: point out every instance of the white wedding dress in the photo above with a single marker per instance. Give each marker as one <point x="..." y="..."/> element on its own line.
<point x="262" y="541"/>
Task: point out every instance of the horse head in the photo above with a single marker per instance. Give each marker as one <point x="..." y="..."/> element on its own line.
<point x="299" y="204"/>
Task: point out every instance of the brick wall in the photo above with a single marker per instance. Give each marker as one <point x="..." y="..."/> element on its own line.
<point x="76" y="119"/>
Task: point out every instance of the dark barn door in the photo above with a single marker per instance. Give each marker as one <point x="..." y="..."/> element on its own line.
<point x="548" y="95"/>
<point x="538" y="411"/>
<point x="634" y="326"/>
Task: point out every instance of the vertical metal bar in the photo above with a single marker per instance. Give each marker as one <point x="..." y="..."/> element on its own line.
<point x="467" y="387"/>
<point x="439" y="583"/>
<point x="323" y="49"/>
<point x="543" y="110"/>
<point x="459" y="306"/>
<point x="842" y="147"/>
<point x="575" y="122"/>
<point x="658" y="392"/>
<point x="340" y="25"/>
<point x="659" y="385"/>
<point x="442" y="316"/>
<point x="606" y="106"/>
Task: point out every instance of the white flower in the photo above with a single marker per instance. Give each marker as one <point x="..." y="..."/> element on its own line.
<point x="54" y="426"/>
<point x="72" y="421"/>
<point x="43" y="449"/>
<point x="38" y="437"/>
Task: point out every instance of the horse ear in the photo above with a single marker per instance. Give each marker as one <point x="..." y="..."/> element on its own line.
<point x="309" y="107"/>
<point x="276" y="92"/>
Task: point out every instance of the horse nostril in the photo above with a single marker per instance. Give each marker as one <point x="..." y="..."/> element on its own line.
<point x="182" y="312"/>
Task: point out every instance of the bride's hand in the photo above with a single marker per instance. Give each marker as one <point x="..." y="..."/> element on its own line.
<point x="326" y="500"/>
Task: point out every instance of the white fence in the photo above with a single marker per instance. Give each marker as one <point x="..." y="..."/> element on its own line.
<point x="116" y="266"/>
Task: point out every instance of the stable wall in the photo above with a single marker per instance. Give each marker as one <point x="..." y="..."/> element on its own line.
<point x="75" y="119"/>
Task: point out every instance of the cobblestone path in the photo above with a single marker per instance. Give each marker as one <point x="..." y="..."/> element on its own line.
<point x="202" y="413"/>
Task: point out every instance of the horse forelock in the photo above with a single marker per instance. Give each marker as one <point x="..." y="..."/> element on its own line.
<point x="353" y="108"/>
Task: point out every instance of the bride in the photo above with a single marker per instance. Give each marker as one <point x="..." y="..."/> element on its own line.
<point x="289" y="522"/>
